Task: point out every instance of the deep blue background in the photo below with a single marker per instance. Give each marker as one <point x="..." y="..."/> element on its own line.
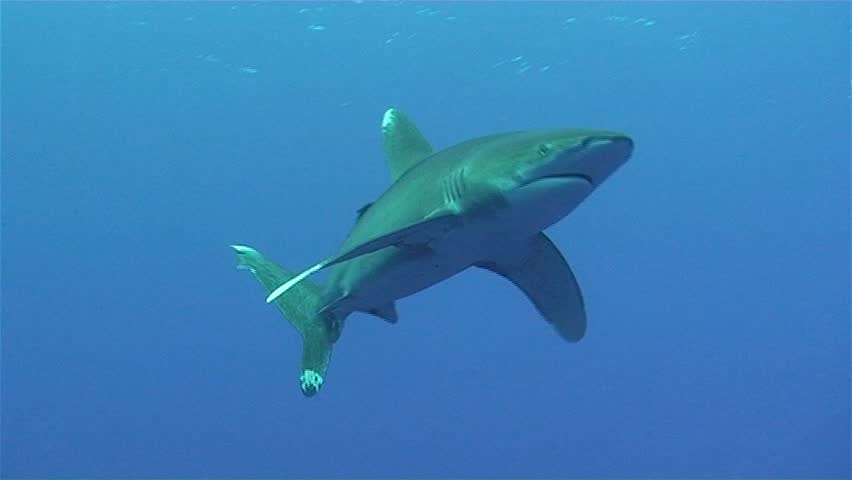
<point x="140" y="140"/>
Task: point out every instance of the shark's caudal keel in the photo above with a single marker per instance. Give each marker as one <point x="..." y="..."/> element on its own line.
<point x="480" y="203"/>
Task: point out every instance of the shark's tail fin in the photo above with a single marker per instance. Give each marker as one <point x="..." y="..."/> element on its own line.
<point x="299" y="306"/>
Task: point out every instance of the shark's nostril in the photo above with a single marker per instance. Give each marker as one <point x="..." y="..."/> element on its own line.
<point x="592" y="142"/>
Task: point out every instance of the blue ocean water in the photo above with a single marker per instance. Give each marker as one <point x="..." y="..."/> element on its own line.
<point x="140" y="140"/>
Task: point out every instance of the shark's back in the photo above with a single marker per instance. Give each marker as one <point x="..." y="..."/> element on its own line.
<point x="421" y="189"/>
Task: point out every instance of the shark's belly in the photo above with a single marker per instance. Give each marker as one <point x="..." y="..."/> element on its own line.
<point x="392" y="273"/>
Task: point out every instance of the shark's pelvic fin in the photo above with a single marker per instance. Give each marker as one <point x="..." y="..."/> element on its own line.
<point x="318" y="331"/>
<point x="404" y="144"/>
<point x="544" y="276"/>
<point x="386" y="312"/>
<point x="418" y="234"/>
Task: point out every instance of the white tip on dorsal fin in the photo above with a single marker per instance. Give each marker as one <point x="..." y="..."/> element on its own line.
<point x="389" y="118"/>
<point x="404" y="144"/>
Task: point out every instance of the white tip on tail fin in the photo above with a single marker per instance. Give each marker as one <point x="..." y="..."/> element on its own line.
<point x="244" y="253"/>
<point x="293" y="281"/>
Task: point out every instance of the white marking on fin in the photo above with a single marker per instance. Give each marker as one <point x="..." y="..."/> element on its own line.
<point x="243" y="249"/>
<point x="244" y="256"/>
<point x="310" y="379"/>
<point x="434" y="227"/>
<point x="389" y="118"/>
<point x="289" y="284"/>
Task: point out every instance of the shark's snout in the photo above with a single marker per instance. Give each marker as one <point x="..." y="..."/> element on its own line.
<point x="597" y="158"/>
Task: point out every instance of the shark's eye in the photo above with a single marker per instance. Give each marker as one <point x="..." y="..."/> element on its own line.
<point x="544" y="149"/>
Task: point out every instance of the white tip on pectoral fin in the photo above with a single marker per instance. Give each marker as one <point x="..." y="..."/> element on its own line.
<point x="293" y="281"/>
<point x="243" y="249"/>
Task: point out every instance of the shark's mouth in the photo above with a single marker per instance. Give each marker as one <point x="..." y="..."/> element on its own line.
<point x="592" y="161"/>
<point x="565" y="176"/>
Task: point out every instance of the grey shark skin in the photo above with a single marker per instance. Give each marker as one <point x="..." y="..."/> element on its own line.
<point x="483" y="203"/>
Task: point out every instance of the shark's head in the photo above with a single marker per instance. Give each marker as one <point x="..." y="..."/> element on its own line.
<point x="547" y="173"/>
<point x="590" y="155"/>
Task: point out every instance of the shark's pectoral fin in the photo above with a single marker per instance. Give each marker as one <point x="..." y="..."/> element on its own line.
<point x="419" y="234"/>
<point x="545" y="277"/>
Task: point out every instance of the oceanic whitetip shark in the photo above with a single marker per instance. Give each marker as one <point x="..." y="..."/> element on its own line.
<point x="481" y="203"/>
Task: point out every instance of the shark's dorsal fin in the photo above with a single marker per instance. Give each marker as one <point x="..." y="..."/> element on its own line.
<point x="404" y="144"/>
<point x="541" y="272"/>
